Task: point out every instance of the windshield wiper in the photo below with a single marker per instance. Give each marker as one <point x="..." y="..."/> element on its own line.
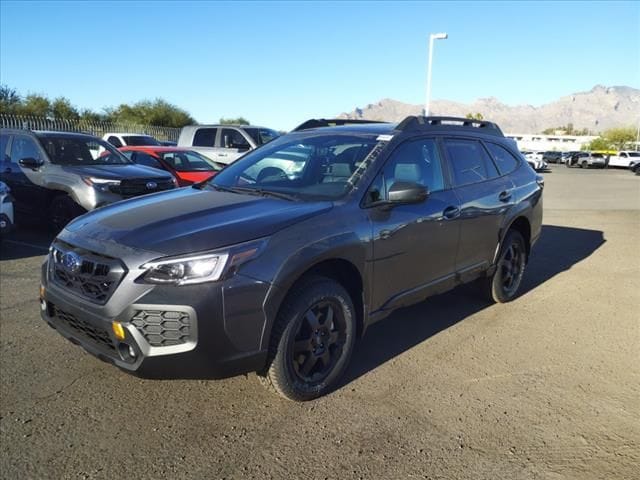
<point x="265" y="193"/>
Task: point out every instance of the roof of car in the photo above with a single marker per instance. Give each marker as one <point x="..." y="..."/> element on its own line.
<point x="373" y="128"/>
<point x="52" y="133"/>
<point x="233" y="125"/>
<point x="127" y="134"/>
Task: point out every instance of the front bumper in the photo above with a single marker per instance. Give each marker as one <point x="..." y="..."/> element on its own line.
<point x="211" y="330"/>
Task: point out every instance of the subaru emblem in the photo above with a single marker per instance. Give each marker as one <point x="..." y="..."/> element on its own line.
<point x="71" y="262"/>
<point x="151" y="185"/>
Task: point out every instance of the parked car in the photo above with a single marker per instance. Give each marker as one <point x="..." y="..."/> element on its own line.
<point x="130" y="139"/>
<point x="187" y="167"/>
<point x="6" y="210"/>
<point x="635" y="167"/>
<point x="57" y="176"/>
<point x="552" y="157"/>
<point x="224" y="143"/>
<point x="574" y="159"/>
<point x="624" y="158"/>
<point x="277" y="269"/>
<point x="589" y="160"/>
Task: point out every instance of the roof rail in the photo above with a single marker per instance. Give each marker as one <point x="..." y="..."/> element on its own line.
<point x="321" y="122"/>
<point x="414" y="122"/>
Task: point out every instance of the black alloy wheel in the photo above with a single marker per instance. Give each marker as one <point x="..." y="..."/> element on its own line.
<point x="319" y="342"/>
<point x="63" y="209"/>
<point x="502" y="286"/>
<point x="312" y="339"/>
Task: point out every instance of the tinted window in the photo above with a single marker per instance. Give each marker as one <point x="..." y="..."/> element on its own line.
<point x="505" y="161"/>
<point x="71" y="150"/>
<point x="140" y="140"/>
<point x="469" y="161"/>
<point x="205" y="137"/>
<point x="233" y="139"/>
<point x="415" y="161"/>
<point x="24" y="147"/>
<point x="188" y="162"/>
<point x="262" y="135"/>
<point x="146" y="159"/>
<point x="115" y="141"/>
<point x="4" y="141"/>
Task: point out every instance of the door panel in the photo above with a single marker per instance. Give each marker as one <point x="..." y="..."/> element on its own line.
<point x="24" y="182"/>
<point x="414" y="246"/>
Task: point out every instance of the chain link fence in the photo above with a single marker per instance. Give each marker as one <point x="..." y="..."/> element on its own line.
<point x="94" y="128"/>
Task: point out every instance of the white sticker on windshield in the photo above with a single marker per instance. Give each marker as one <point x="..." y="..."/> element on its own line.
<point x="384" y="138"/>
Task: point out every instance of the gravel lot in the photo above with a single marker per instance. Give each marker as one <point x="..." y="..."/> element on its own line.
<point x="547" y="386"/>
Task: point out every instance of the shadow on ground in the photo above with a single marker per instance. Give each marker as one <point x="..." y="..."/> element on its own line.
<point x="558" y="249"/>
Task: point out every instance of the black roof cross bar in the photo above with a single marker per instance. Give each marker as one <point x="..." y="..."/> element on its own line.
<point x="321" y="122"/>
<point x="414" y="122"/>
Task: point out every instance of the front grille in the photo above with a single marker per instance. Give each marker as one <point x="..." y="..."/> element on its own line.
<point x="88" y="274"/>
<point x="84" y="328"/>
<point x="141" y="186"/>
<point x="162" y="328"/>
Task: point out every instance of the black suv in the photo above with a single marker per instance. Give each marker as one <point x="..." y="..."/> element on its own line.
<point x="282" y="260"/>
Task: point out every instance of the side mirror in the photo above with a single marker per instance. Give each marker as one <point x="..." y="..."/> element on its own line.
<point x="30" y="162"/>
<point x="407" y="192"/>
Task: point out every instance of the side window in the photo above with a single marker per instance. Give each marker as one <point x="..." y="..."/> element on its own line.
<point x="24" y="147"/>
<point x="234" y="139"/>
<point x="415" y="161"/>
<point x="142" y="158"/>
<point x="469" y="161"/>
<point x="205" y="137"/>
<point x="115" y="141"/>
<point x="4" y="143"/>
<point x="505" y="161"/>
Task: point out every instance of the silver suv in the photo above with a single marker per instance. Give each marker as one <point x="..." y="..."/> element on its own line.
<point x="60" y="175"/>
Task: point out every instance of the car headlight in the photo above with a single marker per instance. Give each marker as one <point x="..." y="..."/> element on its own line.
<point x="200" y="268"/>
<point x="101" y="184"/>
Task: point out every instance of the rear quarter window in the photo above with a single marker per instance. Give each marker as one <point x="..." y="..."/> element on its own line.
<point x="504" y="160"/>
<point x="470" y="162"/>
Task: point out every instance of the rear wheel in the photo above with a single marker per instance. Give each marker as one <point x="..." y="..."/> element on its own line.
<point x="313" y="340"/>
<point x="503" y="285"/>
<point x="585" y="165"/>
<point x="62" y="210"/>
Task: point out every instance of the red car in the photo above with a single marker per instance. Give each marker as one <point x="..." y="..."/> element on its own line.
<point x="185" y="165"/>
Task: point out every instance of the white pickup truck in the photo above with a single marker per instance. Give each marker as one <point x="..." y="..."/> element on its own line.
<point x="224" y="143"/>
<point x="624" y="158"/>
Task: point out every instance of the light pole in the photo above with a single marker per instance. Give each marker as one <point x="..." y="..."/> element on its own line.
<point x="432" y="37"/>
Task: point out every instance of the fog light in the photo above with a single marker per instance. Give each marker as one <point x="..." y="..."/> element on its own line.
<point x="132" y="352"/>
<point x="118" y="330"/>
<point x="42" y="291"/>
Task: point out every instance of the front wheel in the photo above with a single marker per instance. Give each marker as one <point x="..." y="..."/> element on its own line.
<point x="313" y="339"/>
<point x="503" y="285"/>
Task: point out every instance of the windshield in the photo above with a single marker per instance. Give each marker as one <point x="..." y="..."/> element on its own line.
<point x="67" y="150"/>
<point x="315" y="167"/>
<point x="140" y="140"/>
<point x="189" y="162"/>
<point x="262" y="135"/>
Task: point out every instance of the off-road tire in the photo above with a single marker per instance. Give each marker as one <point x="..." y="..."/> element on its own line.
<point x="494" y="286"/>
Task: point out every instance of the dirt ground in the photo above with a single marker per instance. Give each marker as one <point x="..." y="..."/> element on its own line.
<point x="546" y="387"/>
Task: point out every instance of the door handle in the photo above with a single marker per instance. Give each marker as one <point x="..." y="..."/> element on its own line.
<point x="451" y="212"/>
<point x="384" y="234"/>
<point x="222" y="154"/>
<point x="504" y="196"/>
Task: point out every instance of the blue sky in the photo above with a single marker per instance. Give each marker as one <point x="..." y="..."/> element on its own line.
<point x="279" y="63"/>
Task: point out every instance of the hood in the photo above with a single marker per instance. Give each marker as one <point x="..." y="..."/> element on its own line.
<point x="117" y="172"/>
<point x="189" y="220"/>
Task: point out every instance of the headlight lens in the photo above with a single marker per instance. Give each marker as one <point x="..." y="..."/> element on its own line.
<point x="207" y="267"/>
<point x="101" y="184"/>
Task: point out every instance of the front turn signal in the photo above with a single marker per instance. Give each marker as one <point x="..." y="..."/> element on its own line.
<point x="118" y="330"/>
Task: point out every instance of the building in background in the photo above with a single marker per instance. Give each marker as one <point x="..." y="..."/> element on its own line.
<point x="546" y="143"/>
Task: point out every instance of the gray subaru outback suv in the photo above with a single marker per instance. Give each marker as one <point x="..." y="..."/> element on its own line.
<point x="283" y="259"/>
<point x="59" y="175"/>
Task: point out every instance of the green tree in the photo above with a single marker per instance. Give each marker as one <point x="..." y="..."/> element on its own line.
<point x="234" y="121"/>
<point x="61" y="108"/>
<point x="477" y="116"/>
<point x="597" y="144"/>
<point x="157" y="112"/>
<point x="619" y="138"/>
<point x="35" y="105"/>
<point x="9" y="100"/>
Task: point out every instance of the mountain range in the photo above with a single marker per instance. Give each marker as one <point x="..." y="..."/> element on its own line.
<point x="598" y="109"/>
